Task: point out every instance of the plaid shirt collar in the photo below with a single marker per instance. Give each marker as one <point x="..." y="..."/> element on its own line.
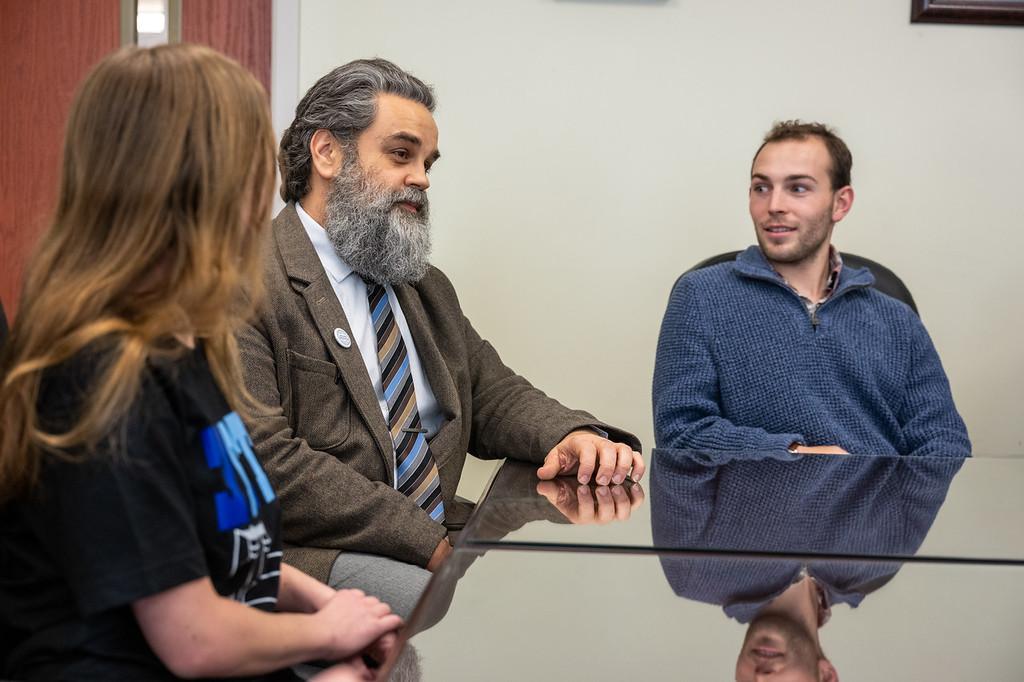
<point x="835" y="263"/>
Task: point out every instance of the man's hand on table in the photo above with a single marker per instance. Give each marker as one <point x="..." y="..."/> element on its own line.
<point x="582" y="452"/>
<point x="581" y="504"/>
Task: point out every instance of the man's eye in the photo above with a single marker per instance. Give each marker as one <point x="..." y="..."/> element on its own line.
<point x="799" y="189"/>
<point x="759" y="189"/>
<point x="402" y="154"/>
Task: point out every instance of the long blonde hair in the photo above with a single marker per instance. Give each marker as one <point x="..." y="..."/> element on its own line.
<point x="158" y="231"/>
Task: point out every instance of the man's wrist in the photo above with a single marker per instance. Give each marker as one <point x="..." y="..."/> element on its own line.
<point x="794" y="447"/>
<point x="441" y="552"/>
<point x="589" y="430"/>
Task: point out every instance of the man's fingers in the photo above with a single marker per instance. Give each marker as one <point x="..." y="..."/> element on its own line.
<point x="586" y="453"/>
<point x="550" y="468"/>
<point x="605" y="504"/>
<point x="549" y="489"/>
<point x="564" y="492"/>
<point x="623" y="505"/>
<point x="560" y="496"/>
<point x="585" y="511"/>
<point x="623" y="463"/>
<point x="636" y="496"/>
<point x="638" y="467"/>
<point x="607" y="458"/>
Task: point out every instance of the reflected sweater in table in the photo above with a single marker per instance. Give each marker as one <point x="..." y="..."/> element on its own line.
<point x="866" y="506"/>
<point x="743" y="365"/>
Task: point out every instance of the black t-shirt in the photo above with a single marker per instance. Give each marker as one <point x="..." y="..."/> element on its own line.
<point x="174" y="494"/>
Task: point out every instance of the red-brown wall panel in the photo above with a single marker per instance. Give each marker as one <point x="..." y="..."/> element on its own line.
<point x="46" y="47"/>
<point x="240" y="29"/>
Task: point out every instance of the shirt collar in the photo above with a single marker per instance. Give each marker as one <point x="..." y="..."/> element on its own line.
<point x="835" y="264"/>
<point x="835" y="267"/>
<point x="821" y="594"/>
<point x="336" y="268"/>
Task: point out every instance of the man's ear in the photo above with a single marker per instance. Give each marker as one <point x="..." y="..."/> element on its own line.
<point x="842" y="202"/>
<point x="326" y="153"/>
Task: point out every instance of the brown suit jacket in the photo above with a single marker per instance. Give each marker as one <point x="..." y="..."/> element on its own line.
<point x="324" y="441"/>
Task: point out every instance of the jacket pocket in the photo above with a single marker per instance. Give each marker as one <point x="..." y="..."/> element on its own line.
<point x="321" y="414"/>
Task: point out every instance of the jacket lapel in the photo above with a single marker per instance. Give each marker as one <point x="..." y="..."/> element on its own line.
<point x="308" y="278"/>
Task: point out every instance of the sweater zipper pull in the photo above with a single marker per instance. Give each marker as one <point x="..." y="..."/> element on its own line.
<point x="814" y="319"/>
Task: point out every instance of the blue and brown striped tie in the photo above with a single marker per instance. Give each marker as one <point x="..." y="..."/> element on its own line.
<point x="416" y="470"/>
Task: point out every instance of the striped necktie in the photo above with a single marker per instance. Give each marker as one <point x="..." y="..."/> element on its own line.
<point x="416" y="473"/>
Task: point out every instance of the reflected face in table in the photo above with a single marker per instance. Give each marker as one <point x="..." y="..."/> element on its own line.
<point x="780" y="649"/>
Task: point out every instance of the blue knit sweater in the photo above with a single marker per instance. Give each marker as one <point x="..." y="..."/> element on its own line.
<point x="741" y="365"/>
<point x="850" y="505"/>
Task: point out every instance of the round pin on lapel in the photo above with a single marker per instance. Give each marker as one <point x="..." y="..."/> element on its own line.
<point x="342" y="337"/>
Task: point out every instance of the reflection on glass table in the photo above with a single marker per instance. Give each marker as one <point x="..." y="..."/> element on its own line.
<point x="783" y="603"/>
<point x="812" y="505"/>
<point x="565" y="615"/>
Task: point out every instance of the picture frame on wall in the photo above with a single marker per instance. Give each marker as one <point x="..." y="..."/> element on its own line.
<point x="990" y="12"/>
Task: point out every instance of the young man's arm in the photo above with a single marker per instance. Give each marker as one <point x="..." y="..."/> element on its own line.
<point x="687" y="411"/>
<point x="931" y="424"/>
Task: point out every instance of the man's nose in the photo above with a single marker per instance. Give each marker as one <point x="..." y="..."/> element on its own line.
<point x="418" y="178"/>
<point x="776" y="202"/>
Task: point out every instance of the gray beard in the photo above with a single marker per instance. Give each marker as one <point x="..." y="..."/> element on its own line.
<point x="379" y="240"/>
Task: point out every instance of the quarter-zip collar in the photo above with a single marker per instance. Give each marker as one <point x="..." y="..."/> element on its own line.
<point x="752" y="263"/>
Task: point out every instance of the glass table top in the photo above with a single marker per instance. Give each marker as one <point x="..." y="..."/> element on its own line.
<point x="847" y="506"/>
<point x="518" y="614"/>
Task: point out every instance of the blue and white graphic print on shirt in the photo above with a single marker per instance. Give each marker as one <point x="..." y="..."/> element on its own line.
<point x="228" y="450"/>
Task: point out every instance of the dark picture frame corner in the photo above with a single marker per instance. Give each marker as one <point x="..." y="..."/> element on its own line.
<point x="985" y="12"/>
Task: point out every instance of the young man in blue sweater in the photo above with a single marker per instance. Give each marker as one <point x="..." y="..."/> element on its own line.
<point x="787" y="349"/>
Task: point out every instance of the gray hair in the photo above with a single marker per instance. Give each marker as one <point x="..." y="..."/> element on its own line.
<point x="345" y="103"/>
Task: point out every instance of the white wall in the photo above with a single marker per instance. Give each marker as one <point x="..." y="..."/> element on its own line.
<point x="595" y="150"/>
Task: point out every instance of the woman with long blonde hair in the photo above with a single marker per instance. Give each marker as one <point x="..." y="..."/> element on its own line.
<point x="139" y="532"/>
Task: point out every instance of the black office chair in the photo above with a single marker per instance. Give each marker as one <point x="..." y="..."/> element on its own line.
<point x="886" y="280"/>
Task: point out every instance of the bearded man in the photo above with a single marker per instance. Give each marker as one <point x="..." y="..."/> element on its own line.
<point x="787" y="349"/>
<point x="378" y="384"/>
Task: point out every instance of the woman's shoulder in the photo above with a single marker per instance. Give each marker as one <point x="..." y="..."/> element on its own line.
<point x="65" y="388"/>
<point x="166" y="382"/>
